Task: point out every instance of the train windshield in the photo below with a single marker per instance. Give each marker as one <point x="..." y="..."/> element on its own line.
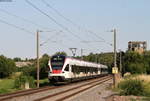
<point x="57" y="62"/>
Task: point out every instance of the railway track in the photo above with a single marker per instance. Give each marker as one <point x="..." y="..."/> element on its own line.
<point x="55" y="93"/>
<point x="23" y="93"/>
<point x="61" y="96"/>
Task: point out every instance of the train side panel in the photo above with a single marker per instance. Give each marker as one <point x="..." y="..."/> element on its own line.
<point x="74" y="69"/>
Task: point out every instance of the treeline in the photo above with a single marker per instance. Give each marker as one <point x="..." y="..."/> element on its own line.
<point x="136" y="63"/>
<point x="132" y="62"/>
<point x="8" y="67"/>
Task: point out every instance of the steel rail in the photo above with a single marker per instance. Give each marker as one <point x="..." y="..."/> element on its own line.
<point x="2" y="95"/>
<point x="59" y="93"/>
<point x="37" y="90"/>
<point x="24" y="92"/>
<point x="71" y="95"/>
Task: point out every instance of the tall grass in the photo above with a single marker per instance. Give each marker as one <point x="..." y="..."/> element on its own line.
<point x="6" y="85"/>
<point x="135" y="85"/>
<point x="132" y="87"/>
<point x="145" y="78"/>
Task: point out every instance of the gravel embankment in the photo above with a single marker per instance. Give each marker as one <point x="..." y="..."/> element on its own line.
<point x="98" y="93"/>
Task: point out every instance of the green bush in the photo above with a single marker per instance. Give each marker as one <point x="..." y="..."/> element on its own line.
<point x="22" y="80"/>
<point x="7" y="66"/>
<point x="132" y="87"/>
<point x="28" y="71"/>
<point x="3" y="90"/>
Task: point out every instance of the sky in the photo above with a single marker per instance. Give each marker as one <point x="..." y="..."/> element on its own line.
<point x="81" y="24"/>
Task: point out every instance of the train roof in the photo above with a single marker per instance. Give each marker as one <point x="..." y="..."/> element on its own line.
<point x="74" y="61"/>
<point x="80" y="62"/>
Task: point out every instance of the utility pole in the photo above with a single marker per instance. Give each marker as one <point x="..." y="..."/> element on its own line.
<point x="115" y="69"/>
<point x="120" y="62"/>
<point x="38" y="59"/>
<point x="115" y="56"/>
<point x="38" y="46"/>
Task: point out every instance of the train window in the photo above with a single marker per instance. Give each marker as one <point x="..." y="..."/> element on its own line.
<point x="90" y="69"/>
<point x="74" y="69"/>
<point x="81" y="69"/>
<point x="77" y="69"/>
<point x="67" y="67"/>
<point x="57" y="62"/>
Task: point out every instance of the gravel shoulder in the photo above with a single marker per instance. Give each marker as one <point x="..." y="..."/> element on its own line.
<point x="98" y="93"/>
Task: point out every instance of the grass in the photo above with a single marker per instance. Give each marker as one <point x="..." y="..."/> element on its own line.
<point x="135" y="85"/>
<point x="44" y="82"/>
<point x="145" y="78"/>
<point x="6" y="85"/>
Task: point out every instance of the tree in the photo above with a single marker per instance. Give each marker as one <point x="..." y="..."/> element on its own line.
<point x="28" y="70"/>
<point x="7" y="67"/>
<point x="102" y="58"/>
<point x="147" y="61"/>
<point x="61" y="53"/>
<point x="134" y="63"/>
<point x="136" y="68"/>
<point x="31" y="70"/>
<point x="44" y="66"/>
<point x="16" y="59"/>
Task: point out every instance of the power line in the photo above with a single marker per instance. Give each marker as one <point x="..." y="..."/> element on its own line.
<point x="61" y="15"/>
<point x="27" y="31"/>
<point x="50" y="38"/>
<point x="48" y="5"/>
<point x="51" y="18"/>
<point x="20" y="28"/>
<point x="17" y="27"/>
<point x="23" y="19"/>
<point x="63" y="27"/>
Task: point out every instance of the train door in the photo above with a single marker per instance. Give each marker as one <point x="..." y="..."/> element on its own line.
<point x="67" y="70"/>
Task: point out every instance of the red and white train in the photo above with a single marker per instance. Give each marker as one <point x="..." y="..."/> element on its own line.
<point x="63" y="68"/>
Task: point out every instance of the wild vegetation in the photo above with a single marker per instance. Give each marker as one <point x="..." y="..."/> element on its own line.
<point x="7" y="66"/>
<point x="132" y="62"/>
<point x="135" y="85"/>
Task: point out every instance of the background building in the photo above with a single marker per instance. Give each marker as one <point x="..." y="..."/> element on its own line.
<point x="137" y="46"/>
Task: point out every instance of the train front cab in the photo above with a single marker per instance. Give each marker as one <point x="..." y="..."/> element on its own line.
<point x="64" y="75"/>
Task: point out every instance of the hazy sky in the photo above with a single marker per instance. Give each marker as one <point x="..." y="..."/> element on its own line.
<point x="131" y="18"/>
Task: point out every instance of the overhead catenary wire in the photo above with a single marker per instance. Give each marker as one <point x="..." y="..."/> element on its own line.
<point x="21" y="28"/>
<point x="50" y="38"/>
<point x="23" y="19"/>
<point x="52" y="19"/>
<point x="79" y="27"/>
<point x="17" y="27"/>
<point x="55" y="10"/>
<point x="29" y="32"/>
<point x="55" y="21"/>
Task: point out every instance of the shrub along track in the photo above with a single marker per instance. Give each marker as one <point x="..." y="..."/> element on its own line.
<point x="39" y="94"/>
